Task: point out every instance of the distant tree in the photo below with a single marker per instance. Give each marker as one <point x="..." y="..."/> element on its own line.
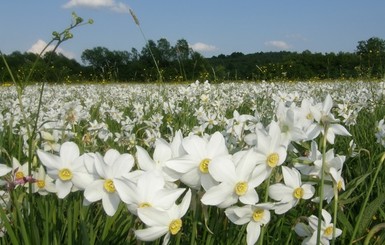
<point x="372" y="54"/>
<point x="105" y="62"/>
<point x="182" y="51"/>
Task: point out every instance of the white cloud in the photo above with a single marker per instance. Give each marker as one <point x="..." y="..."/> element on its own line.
<point x="278" y="44"/>
<point x="40" y="44"/>
<point x="110" y="4"/>
<point x="202" y="47"/>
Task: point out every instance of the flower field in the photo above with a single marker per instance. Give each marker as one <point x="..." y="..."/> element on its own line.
<point x="199" y="163"/>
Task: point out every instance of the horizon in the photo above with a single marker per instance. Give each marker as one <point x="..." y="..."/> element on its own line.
<point x="211" y="28"/>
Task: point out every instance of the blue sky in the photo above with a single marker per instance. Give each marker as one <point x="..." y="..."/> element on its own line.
<point x="211" y="27"/>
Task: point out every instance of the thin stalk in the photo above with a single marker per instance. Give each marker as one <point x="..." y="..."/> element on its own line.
<point x="321" y="188"/>
<point x="373" y="231"/>
<point x="368" y="193"/>
<point x="136" y="20"/>
<point x="335" y="210"/>
<point x="266" y="199"/>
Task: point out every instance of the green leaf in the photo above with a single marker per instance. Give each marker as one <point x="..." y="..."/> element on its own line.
<point x="370" y="211"/>
<point x="345" y="222"/>
<point x="352" y="185"/>
<point x="10" y="231"/>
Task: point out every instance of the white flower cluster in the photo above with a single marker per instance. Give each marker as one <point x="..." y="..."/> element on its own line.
<point x="225" y="160"/>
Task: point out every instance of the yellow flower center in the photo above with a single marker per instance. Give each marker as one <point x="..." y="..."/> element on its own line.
<point x="241" y="188"/>
<point x="109" y="185"/>
<point x="258" y="214"/>
<point x="272" y="160"/>
<point x="19" y="175"/>
<point x="65" y="174"/>
<point x="145" y="205"/>
<point x="204" y="165"/>
<point x="328" y="231"/>
<point x="40" y="184"/>
<point x="339" y="185"/>
<point x="309" y="116"/>
<point x="298" y="193"/>
<point x="175" y="226"/>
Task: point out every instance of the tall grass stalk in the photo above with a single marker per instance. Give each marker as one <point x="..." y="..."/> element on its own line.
<point x="29" y="218"/>
<point x="368" y="193"/>
<point x="136" y="20"/>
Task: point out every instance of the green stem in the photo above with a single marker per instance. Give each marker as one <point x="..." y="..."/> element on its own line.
<point x="266" y="199"/>
<point x="321" y="188"/>
<point x="358" y="222"/>
<point x="335" y="210"/>
<point x="373" y="231"/>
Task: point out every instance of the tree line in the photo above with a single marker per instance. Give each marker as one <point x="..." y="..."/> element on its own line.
<point x="181" y="63"/>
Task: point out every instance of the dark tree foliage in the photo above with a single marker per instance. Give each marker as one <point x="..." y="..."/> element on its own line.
<point x="181" y="63"/>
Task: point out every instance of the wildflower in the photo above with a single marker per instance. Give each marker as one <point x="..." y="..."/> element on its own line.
<point x="193" y="167"/>
<point x="50" y="142"/>
<point x="149" y="191"/>
<point x="325" y="122"/>
<point x="237" y="125"/>
<point x="235" y="181"/>
<point x="254" y="215"/>
<point x="162" y="153"/>
<point x="109" y="168"/>
<point x="290" y="193"/>
<point x="289" y="124"/>
<point x="43" y="184"/>
<point x="20" y="174"/>
<point x="311" y="231"/>
<point x="68" y="169"/>
<point x="162" y="222"/>
<point x="271" y="152"/>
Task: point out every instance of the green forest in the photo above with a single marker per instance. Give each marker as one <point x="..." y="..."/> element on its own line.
<point x="159" y="60"/>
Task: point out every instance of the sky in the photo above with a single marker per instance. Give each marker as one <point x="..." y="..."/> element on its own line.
<point x="211" y="27"/>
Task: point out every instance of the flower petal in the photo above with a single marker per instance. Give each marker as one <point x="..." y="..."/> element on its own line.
<point x="111" y="203"/>
<point x="153" y="217"/>
<point x="63" y="188"/>
<point x="94" y="192"/>
<point x="222" y="169"/>
<point x="217" y="145"/>
<point x="145" y="162"/>
<point x="151" y="233"/>
<point x="253" y="230"/>
<point x="69" y="151"/>
<point x="218" y="194"/>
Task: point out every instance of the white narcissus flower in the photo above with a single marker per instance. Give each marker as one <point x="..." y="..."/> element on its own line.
<point x="162" y="153"/>
<point x="193" y="167"/>
<point x="254" y="215"/>
<point x="68" y="169"/>
<point x="235" y="181"/>
<point x="326" y="229"/>
<point x="19" y="171"/>
<point x="43" y="183"/>
<point x="289" y="124"/>
<point x="162" y="222"/>
<point x="110" y="170"/>
<point x="270" y="149"/>
<point x="325" y="119"/>
<point x="309" y="232"/>
<point x="50" y="142"/>
<point x="290" y="193"/>
<point x="149" y="191"/>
